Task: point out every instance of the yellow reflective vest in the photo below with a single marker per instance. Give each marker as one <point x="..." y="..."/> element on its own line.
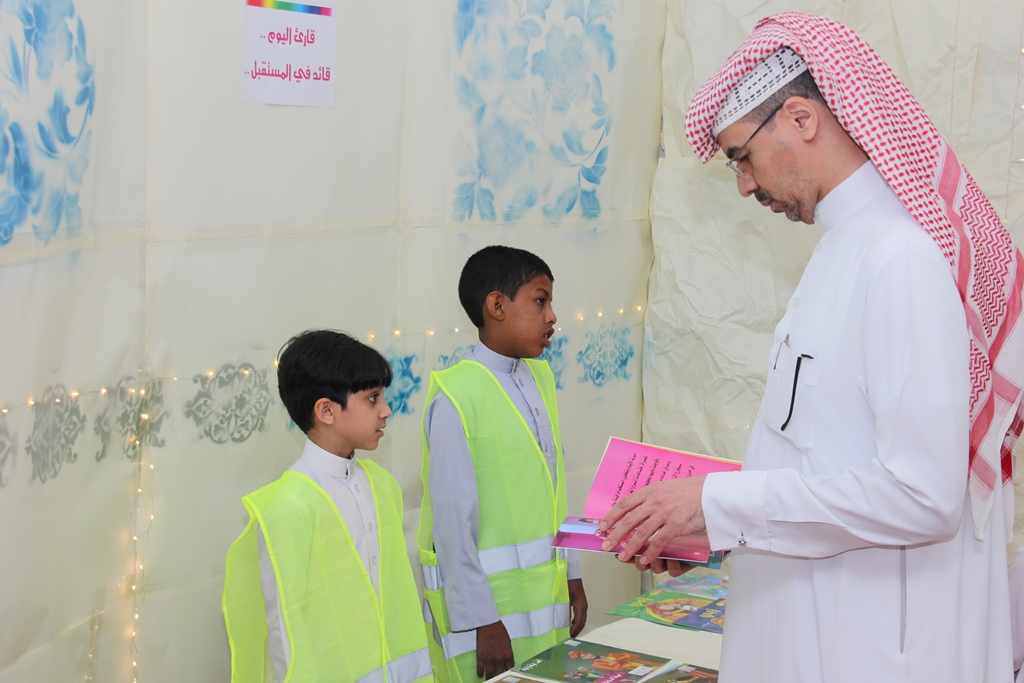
<point x="520" y="511"/>
<point x="339" y="628"/>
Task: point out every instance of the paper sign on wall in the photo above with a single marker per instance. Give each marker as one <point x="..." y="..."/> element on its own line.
<point x="288" y="53"/>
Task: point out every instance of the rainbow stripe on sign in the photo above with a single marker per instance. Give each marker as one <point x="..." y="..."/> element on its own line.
<point x="291" y="7"/>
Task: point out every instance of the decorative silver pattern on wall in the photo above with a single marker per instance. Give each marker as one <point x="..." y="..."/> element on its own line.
<point x="58" y="422"/>
<point x="231" y="404"/>
<point x="133" y="414"/>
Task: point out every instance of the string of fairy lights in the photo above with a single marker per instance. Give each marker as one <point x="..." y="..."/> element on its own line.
<point x="139" y="450"/>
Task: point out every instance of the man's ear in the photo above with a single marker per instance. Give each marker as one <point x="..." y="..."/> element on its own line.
<point x="803" y="116"/>
<point x="326" y="411"/>
<point x="494" y="305"/>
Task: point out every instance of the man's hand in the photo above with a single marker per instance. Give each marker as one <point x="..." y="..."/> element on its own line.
<point x="578" y="606"/>
<point x="656" y="514"/>
<point x="660" y="566"/>
<point x="493" y="650"/>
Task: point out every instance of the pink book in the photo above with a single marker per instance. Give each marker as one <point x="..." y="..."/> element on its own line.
<point x="628" y="466"/>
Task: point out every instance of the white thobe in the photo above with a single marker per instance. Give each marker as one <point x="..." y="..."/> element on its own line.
<point x="854" y="553"/>
<point x="349" y="489"/>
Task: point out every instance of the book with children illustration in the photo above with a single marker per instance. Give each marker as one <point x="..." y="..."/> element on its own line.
<point x="710" y="617"/>
<point x="628" y="466"/>
<point x="701" y="585"/>
<point x="695" y="602"/>
<point x="661" y="606"/>
<point x="685" y="673"/>
<point x="580" y="660"/>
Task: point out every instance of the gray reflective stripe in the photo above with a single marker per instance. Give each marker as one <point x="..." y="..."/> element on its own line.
<point x="520" y="625"/>
<point x="522" y="556"/>
<point x="431" y="576"/>
<point x="375" y="676"/>
<point x="410" y="667"/>
<point x="502" y="559"/>
<point x="402" y="670"/>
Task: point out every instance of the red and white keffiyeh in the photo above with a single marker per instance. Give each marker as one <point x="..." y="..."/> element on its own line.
<point x="881" y="115"/>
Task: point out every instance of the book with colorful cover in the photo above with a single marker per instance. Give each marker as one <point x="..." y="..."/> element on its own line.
<point x="702" y="585"/>
<point x="628" y="466"/>
<point x="710" y="617"/>
<point x="683" y="673"/>
<point x="580" y="660"/>
<point x="661" y="606"/>
<point x="689" y="601"/>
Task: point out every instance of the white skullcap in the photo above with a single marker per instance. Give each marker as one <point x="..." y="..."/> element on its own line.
<point x="763" y="81"/>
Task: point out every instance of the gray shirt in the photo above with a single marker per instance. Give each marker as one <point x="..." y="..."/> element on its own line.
<point x="453" y="489"/>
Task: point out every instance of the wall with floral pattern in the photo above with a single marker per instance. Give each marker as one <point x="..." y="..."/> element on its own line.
<point x="160" y="240"/>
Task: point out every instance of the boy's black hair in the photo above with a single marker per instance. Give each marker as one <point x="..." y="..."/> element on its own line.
<point x="496" y="269"/>
<point x="318" y="364"/>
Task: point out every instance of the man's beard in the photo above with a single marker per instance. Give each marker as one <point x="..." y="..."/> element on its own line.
<point x="791" y="211"/>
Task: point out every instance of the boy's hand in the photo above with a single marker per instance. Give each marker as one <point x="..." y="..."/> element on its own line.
<point x="578" y="606"/>
<point x="493" y="650"/>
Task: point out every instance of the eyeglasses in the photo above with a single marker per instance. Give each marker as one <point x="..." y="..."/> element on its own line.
<point x="737" y="157"/>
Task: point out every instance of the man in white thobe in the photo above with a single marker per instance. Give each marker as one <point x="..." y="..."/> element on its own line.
<point x="862" y="548"/>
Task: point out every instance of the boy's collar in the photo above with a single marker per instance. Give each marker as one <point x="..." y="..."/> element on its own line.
<point x="494" y="360"/>
<point x="324" y="461"/>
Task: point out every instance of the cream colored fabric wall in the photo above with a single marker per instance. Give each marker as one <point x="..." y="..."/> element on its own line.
<point x="724" y="268"/>
<point x="162" y="240"/>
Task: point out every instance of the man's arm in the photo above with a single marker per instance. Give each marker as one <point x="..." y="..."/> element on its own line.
<point x="917" y="386"/>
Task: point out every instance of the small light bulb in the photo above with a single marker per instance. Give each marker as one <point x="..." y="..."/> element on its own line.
<point x="209" y="373"/>
<point x="456" y="330"/>
<point x="599" y="314"/>
<point x="74" y="394"/>
<point x="31" y="402"/>
<point x="135" y="538"/>
<point x="430" y="333"/>
<point x="621" y="311"/>
<point x="103" y="390"/>
<point x="175" y="379"/>
<point x="144" y="416"/>
<point x="639" y="308"/>
<point x="579" y="317"/>
<point x="4" y="411"/>
<point x="142" y="392"/>
<point x="397" y="332"/>
<point x="56" y="400"/>
<point x="245" y="372"/>
<point x="150" y="467"/>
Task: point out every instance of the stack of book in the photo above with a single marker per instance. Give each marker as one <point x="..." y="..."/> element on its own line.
<point x="580" y="660"/>
<point x="696" y="602"/>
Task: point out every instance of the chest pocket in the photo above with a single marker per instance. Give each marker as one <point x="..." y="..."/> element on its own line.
<point x="789" y="397"/>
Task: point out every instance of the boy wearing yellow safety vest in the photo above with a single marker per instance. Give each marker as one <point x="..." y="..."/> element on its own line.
<point x="494" y="482"/>
<point x="319" y="586"/>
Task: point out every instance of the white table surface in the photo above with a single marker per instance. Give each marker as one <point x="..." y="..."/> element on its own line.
<point x="701" y="648"/>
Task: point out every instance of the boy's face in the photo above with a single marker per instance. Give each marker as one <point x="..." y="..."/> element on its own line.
<point x="530" y="319"/>
<point x="360" y="425"/>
